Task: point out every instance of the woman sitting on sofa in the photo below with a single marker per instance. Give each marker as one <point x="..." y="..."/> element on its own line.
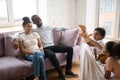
<point x="30" y="45"/>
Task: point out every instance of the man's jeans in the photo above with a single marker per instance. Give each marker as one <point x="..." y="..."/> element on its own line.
<point x="37" y="58"/>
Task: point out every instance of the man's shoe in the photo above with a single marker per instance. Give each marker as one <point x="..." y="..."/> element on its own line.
<point x="70" y="74"/>
<point x="63" y="78"/>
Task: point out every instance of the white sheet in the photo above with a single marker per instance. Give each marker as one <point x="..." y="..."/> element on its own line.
<point x="90" y="69"/>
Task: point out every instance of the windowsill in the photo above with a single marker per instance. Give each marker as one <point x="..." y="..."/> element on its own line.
<point x="12" y="29"/>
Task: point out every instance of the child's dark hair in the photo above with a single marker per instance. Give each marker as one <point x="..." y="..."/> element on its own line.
<point x="116" y="50"/>
<point x="25" y="21"/>
<point x="113" y="48"/>
<point x="101" y="30"/>
<point x="109" y="48"/>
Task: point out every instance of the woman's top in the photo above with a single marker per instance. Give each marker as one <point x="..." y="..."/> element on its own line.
<point x="113" y="65"/>
<point x="30" y="41"/>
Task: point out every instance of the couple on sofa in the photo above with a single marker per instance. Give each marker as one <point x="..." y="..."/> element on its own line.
<point x="30" y="43"/>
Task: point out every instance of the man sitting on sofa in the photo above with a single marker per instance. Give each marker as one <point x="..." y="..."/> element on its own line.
<point x="50" y="49"/>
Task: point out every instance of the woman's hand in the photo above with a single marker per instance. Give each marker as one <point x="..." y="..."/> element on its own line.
<point x="41" y="49"/>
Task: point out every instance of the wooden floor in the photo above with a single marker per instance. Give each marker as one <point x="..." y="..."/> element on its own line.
<point x="53" y="75"/>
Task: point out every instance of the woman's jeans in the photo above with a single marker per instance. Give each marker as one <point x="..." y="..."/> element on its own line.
<point x="37" y="58"/>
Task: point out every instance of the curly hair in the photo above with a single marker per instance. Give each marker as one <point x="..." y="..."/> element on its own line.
<point x="101" y="30"/>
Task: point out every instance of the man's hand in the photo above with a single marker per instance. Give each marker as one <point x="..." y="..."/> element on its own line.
<point x="15" y="43"/>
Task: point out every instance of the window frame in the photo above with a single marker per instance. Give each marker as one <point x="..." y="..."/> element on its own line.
<point x="11" y="17"/>
<point x="116" y="31"/>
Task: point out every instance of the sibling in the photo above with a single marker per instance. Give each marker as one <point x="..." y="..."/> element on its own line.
<point x="98" y="36"/>
<point x="89" y="68"/>
<point x="111" y="63"/>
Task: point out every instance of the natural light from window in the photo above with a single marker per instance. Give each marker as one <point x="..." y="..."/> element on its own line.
<point x="107" y="17"/>
<point x="23" y="8"/>
<point x="3" y="12"/>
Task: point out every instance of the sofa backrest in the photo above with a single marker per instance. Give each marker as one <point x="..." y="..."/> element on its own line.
<point x="2" y="47"/>
<point x="67" y="37"/>
<point x="9" y="49"/>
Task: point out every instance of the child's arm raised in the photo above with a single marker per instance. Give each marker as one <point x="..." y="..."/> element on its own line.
<point x="87" y="39"/>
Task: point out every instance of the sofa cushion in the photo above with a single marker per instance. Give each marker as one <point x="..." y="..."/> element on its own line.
<point x="57" y="35"/>
<point x="11" y="68"/>
<point x="2" y="48"/>
<point x="9" y="49"/>
<point x="69" y="37"/>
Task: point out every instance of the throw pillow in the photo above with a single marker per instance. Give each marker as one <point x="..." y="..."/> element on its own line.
<point x="57" y="35"/>
<point x="69" y="37"/>
<point x="9" y="49"/>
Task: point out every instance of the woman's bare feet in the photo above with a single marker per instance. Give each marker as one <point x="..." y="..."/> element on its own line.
<point x="36" y="78"/>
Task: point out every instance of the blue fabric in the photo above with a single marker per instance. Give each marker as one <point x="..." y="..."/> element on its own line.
<point x="37" y="58"/>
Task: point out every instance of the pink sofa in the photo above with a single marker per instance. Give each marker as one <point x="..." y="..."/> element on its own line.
<point x="14" y="67"/>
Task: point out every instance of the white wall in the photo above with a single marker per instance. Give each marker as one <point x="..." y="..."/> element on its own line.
<point x="86" y="13"/>
<point x="43" y="10"/>
<point x="71" y="13"/>
<point x="61" y="13"/>
<point x="91" y="15"/>
<point x="81" y="11"/>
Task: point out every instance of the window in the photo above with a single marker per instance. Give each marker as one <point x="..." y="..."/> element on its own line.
<point x="107" y="25"/>
<point x="3" y="12"/>
<point x="109" y="12"/>
<point x="107" y="6"/>
<point x="23" y="8"/>
<point x="12" y="11"/>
